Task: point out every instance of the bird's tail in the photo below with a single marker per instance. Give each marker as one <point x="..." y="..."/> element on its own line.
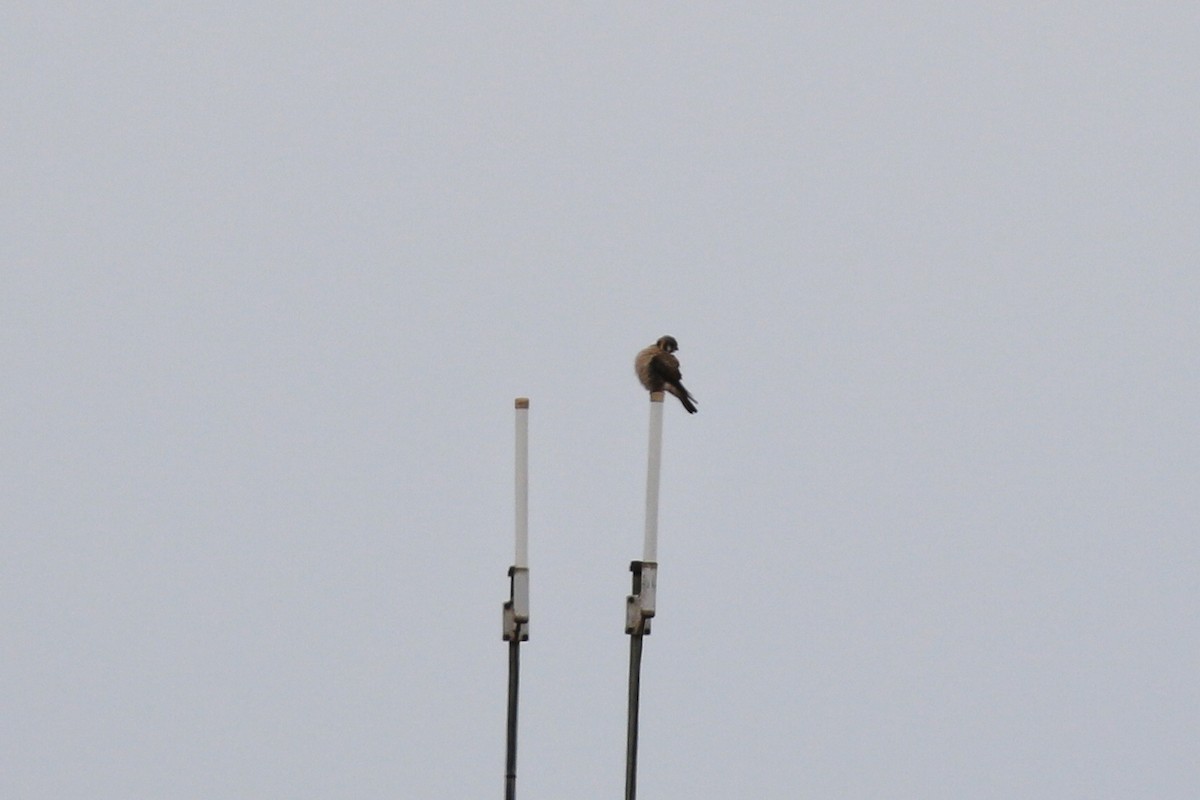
<point x="686" y="398"/>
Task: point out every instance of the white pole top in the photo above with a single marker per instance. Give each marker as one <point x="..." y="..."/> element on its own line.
<point x="522" y="483"/>
<point x="653" y="468"/>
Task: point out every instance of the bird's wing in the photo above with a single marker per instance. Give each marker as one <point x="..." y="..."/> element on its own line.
<point x="665" y="367"/>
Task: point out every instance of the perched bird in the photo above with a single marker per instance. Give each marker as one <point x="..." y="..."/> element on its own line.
<point x="658" y="370"/>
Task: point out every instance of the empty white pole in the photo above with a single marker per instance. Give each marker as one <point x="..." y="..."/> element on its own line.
<point x="653" y="467"/>
<point x="522" y="484"/>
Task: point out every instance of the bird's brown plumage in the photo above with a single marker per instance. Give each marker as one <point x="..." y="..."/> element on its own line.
<point x="658" y="370"/>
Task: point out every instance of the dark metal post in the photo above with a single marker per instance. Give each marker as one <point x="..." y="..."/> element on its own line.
<point x="516" y="630"/>
<point x="639" y="608"/>
<point x="510" y="760"/>
<point x="631" y="738"/>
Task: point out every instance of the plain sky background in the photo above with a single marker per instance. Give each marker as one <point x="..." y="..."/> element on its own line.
<point x="273" y="274"/>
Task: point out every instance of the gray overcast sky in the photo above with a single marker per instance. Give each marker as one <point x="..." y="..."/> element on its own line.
<point x="273" y="275"/>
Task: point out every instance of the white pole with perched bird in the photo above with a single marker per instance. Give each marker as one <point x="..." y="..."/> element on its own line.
<point x="658" y="370"/>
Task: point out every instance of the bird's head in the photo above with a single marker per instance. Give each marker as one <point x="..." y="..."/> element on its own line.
<point x="668" y="344"/>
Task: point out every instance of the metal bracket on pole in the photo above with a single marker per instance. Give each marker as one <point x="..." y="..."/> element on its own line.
<point x="516" y="608"/>
<point x="639" y="606"/>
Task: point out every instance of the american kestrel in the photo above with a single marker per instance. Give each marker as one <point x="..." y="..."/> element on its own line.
<point x="658" y="370"/>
